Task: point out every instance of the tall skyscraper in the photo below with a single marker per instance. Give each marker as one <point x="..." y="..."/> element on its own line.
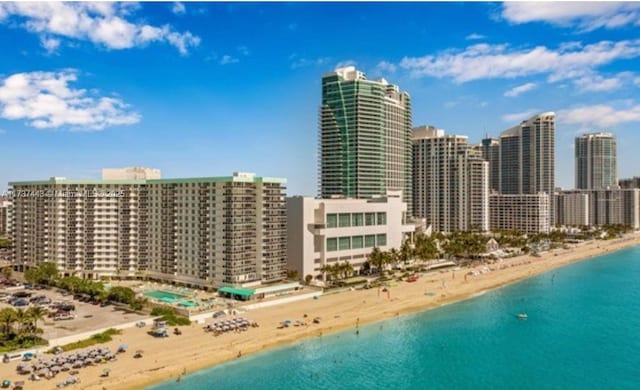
<point x="527" y="158"/>
<point x="365" y="136"/>
<point x="596" y="161"/>
<point x="450" y="182"/>
<point x="490" y="148"/>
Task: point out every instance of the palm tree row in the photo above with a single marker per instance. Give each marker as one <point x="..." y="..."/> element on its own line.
<point x="337" y="270"/>
<point x="20" y="325"/>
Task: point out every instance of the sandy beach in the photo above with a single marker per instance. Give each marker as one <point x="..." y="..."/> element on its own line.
<point x="165" y="359"/>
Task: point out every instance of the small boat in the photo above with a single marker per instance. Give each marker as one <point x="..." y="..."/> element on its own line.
<point x="522" y="316"/>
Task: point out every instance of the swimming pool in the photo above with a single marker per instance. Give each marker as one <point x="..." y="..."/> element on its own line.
<point x="165" y="296"/>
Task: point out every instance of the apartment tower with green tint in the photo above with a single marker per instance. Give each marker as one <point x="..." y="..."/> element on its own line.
<point x="365" y="137"/>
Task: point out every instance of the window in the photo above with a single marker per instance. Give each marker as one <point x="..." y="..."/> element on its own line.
<point x="332" y="244"/>
<point x="356" y="242"/>
<point x="344" y="220"/>
<point x="369" y="241"/>
<point x="370" y="219"/>
<point x="358" y="219"/>
<point x="382" y="218"/>
<point x="332" y="220"/>
<point x="381" y="240"/>
<point x="345" y="243"/>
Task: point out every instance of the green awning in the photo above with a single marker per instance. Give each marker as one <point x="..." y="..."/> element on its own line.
<point x="243" y="292"/>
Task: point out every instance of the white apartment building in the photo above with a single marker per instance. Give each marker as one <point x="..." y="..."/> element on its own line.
<point x="206" y="232"/>
<point x="599" y="207"/>
<point x="527" y="213"/>
<point x="573" y="208"/>
<point x="326" y="231"/>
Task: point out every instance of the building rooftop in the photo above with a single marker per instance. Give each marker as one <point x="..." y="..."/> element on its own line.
<point x="241" y="177"/>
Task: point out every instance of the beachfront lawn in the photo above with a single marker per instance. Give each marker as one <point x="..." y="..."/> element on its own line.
<point x="170" y="316"/>
<point x="99" y="338"/>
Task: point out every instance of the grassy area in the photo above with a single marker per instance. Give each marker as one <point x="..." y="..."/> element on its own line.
<point x="99" y="338"/>
<point x="15" y="345"/>
<point x="170" y="316"/>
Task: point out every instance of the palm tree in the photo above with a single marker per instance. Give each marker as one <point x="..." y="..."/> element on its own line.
<point x="35" y="314"/>
<point x="377" y="258"/>
<point x="22" y="319"/>
<point x="406" y="252"/>
<point x="393" y="257"/>
<point x="7" y="319"/>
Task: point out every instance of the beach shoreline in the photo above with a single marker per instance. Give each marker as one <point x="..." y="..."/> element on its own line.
<point x="167" y="359"/>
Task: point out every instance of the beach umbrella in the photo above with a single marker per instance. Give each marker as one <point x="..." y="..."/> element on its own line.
<point x="56" y="368"/>
<point x="97" y="359"/>
<point x="66" y="367"/>
<point x="74" y="372"/>
<point x="43" y="371"/>
<point x="87" y="361"/>
<point x="78" y="364"/>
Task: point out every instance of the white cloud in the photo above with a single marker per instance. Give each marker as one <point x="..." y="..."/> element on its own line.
<point x="104" y="24"/>
<point x="386" y="67"/>
<point x="636" y="81"/>
<point x="520" y="89"/>
<point x="45" y="100"/>
<point x="597" y="83"/>
<point x="484" y="61"/>
<point x="51" y="45"/>
<point x="586" y="16"/>
<point x="227" y="59"/>
<point x="178" y="8"/>
<point x="600" y="115"/>
<point x="2" y="131"/>
<point x="243" y="50"/>
<point x="474" y="37"/>
<point x="345" y="63"/>
<point x="518" y="117"/>
<point x="301" y="62"/>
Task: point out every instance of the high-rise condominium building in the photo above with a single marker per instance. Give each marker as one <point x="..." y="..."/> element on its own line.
<point x="6" y="217"/>
<point x="206" y="232"/>
<point x="630" y="183"/>
<point x="365" y="136"/>
<point x="490" y="148"/>
<point x="450" y="182"/>
<point x="527" y="213"/>
<point x="596" y="161"/>
<point x="599" y="207"/>
<point x="527" y="158"/>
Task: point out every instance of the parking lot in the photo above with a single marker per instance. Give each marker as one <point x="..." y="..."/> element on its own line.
<point x="86" y="315"/>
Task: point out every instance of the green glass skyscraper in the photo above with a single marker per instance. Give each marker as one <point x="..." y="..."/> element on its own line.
<point x="365" y="136"/>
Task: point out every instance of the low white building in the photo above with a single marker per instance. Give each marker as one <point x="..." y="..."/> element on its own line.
<point x="326" y="231"/>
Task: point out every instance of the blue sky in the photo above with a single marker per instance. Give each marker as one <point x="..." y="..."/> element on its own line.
<point x="200" y="89"/>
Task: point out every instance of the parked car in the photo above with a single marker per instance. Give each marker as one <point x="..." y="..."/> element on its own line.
<point x="66" y="316"/>
<point x="20" y="303"/>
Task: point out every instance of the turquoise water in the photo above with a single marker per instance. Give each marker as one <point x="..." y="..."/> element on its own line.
<point x="165" y="296"/>
<point x="583" y="332"/>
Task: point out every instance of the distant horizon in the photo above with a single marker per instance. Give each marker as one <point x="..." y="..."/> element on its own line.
<point x="207" y="89"/>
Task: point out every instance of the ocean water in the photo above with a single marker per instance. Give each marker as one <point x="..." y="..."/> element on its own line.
<point x="582" y="332"/>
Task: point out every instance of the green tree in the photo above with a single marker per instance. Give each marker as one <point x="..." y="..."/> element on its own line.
<point x="7" y="319"/>
<point x="406" y="252"/>
<point x="7" y="272"/>
<point x="122" y="294"/>
<point x="376" y="258"/>
<point x="308" y="278"/>
<point x="425" y="248"/>
<point x="35" y="314"/>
